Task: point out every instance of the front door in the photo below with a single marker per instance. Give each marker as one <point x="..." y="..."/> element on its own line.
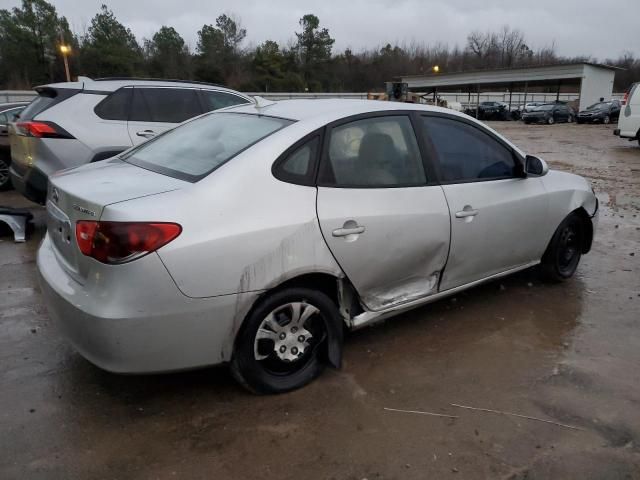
<point x="384" y="220"/>
<point x="496" y="214"/>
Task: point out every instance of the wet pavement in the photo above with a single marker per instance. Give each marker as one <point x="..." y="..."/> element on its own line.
<point x="565" y="353"/>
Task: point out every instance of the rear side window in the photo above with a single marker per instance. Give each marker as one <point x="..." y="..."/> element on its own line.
<point x="115" y="106"/>
<point x="298" y="166"/>
<point x="214" y="100"/>
<point x="375" y="152"/>
<point x="167" y="105"/>
<point x="193" y="150"/>
<point x="47" y="98"/>
<point x="466" y="154"/>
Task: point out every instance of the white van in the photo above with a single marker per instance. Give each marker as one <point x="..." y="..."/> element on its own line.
<point x="629" y="121"/>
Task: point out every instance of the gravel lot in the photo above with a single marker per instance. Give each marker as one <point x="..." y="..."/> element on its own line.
<point x="564" y="353"/>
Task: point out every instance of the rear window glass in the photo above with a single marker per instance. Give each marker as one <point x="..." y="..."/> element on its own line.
<point x="47" y="98"/>
<point x="192" y="151"/>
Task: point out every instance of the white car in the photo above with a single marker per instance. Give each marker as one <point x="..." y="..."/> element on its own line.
<point x="629" y="119"/>
<point x="254" y="235"/>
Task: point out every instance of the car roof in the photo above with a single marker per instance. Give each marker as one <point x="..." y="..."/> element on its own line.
<point x="113" y="84"/>
<point x="332" y="109"/>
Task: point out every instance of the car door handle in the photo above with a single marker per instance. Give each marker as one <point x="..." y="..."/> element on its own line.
<point x="343" y="232"/>
<point x="466" y="213"/>
<point x="146" y="133"/>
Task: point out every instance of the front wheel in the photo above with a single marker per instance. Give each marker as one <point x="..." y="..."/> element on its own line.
<point x="562" y="256"/>
<point x="281" y="343"/>
<point x="606" y="120"/>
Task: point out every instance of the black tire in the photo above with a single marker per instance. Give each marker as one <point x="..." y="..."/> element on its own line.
<point x="579" y="122"/>
<point x="527" y="122"/>
<point x="606" y="120"/>
<point x="551" y="120"/>
<point x="273" y="374"/>
<point x="562" y="256"/>
<point x="5" y="180"/>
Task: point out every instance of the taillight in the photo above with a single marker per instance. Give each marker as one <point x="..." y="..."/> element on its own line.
<point x="121" y="242"/>
<point x="41" y="130"/>
<point x="625" y="98"/>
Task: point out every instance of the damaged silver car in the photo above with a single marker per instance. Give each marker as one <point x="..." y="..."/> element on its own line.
<point x="254" y="235"/>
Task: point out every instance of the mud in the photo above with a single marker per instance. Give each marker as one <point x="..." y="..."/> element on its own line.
<point x="566" y="353"/>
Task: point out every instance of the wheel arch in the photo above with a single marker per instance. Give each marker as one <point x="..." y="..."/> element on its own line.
<point x="338" y="288"/>
<point x="587" y="224"/>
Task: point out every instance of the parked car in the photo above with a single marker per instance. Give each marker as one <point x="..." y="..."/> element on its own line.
<point x="8" y="112"/>
<point x="529" y="106"/>
<point x="493" y="111"/>
<point x="254" y="235"/>
<point x="549" y="113"/>
<point x="629" y="121"/>
<point x="602" y="112"/>
<point x="74" y="123"/>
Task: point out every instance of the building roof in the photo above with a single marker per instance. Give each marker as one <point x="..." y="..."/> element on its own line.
<point x="538" y="74"/>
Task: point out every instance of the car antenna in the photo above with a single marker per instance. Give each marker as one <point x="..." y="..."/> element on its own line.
<point x="262" y="102"/>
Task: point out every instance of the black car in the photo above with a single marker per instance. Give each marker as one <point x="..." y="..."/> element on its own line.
<point x="493" y="111"/>
<point x="549" y="113"/>
<point x="603" y="112"/>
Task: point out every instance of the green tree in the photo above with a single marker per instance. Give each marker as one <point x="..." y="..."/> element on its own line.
<point x="219" y="56"/>
<point x="210" y="50"/>
<point x="314" y="51"/>
<point x="29" y="40"/>
<point x="167" y="55"/>
<point x="110" y="48"/>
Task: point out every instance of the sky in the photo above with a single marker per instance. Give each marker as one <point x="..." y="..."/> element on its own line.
<point x="576" y="27"/>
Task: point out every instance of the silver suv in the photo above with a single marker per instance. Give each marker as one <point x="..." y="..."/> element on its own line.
<point x="74" y="123"/>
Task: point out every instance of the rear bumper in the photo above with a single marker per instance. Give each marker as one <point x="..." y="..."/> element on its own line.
<point x="32" y="184"/>
<point x="135" y="320"/>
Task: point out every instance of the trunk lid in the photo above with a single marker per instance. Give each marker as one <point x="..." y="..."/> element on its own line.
<point x="82" y="194"/>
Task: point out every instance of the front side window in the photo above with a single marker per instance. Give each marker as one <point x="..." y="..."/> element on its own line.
<point x="214" y="100"/>
<point x="374" y="152"/>
<point x="465" y="153"/>
<point x="193" y="150"/>
<point x="166" y="105"/>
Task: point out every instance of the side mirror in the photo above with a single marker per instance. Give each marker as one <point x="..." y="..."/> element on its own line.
<point x="535" y="166"/>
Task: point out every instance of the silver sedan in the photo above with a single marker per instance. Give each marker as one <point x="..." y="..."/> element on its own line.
<point x="252" y="236"/>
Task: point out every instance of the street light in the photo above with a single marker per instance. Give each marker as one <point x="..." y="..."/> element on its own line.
<point x="66" y="50"/>
<point x="436" y="69"/>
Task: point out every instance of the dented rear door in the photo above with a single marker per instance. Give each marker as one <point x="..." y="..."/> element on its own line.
<point x="385" y="224"/>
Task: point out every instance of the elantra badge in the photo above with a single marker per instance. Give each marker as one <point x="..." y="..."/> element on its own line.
<point x="80" y="209"/>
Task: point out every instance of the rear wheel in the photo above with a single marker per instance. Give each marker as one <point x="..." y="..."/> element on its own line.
<point x="606" y="120"/>
<point x="561" y="259"/>
<point x="5" y="181"/>
<point x="279" y="347"/>
<point x="551" y="120"/>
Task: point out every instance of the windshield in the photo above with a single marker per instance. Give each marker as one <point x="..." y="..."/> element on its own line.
<point x="598" y="106"/>
<point x="195" y="149"/>
<point x="545" y="107"/>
